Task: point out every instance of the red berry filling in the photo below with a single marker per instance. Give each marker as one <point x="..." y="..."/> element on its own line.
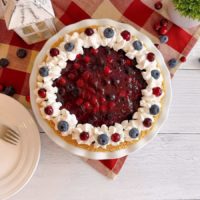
<point x="115" y="137"/>
<point x="84" y="136"/>
<point x="105" y="90"/>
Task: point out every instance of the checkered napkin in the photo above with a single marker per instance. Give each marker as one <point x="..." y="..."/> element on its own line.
<point x="140" y="14"/>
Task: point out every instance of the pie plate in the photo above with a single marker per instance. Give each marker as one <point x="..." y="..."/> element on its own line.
<point x="165" y="102"/>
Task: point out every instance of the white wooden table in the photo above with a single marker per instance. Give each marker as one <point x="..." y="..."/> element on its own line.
<point x="166" y="169"/>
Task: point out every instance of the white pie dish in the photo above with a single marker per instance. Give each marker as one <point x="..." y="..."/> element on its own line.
<point x="82" y="152"/>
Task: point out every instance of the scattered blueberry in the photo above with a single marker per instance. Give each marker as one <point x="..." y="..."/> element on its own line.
<point x="108" y="33"/>
<point x="154" y="109"/>
<point x="4" y="62"/>
<point x="134" y="133"/>
<point x="137" y="45"/>
<point x="44" y="71"/>
<point x="21" y="53"/>
<point x="155" y="74"/>
<point x="163" y="38"/>
<point x="102" y="139"/>
<point x="10" y="91"/>
<point x="172" y="62"/>
<point x="63" y="126"/>
<point x="69" y="46"/>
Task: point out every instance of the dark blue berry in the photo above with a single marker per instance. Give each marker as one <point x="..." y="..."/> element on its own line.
<point x="155" y="74"/>
<point x="163" y="38"/>
<point x="4" y="62"/>
<point x="10" y="91"/>
<point x="137" y="45"/>
<point x="63" y="126"/>
<point x="69" y="46"/>
<point x="172" y="62"/>
<point x="102" y="139"/>
<point x="44" y="71"/>
<point x="134" y="133"/>
<point x="21" y="53"/>
<point x="154" y="109"/>
<point x="108" y="33"/>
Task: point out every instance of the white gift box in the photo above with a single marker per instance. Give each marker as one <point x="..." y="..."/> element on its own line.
<point x="32" y="20"/>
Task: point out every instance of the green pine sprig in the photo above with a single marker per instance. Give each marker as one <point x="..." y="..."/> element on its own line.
<point x="188" y="8"/>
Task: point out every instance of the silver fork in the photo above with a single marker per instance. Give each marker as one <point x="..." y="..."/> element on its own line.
<point x="9" y="135"/>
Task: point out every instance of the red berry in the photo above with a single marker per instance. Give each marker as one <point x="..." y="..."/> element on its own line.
<point x="126" y="35"/>
<point x="79" y="101"/>
<point x="164" y="22"/>
<point x="87" y="59"/>
<point x="86" y="75"/>
<point x="79" y="56"/>
<point x="76" y="65"/>
<point x="163" y="30"/>
<point x="28" y="98"/>
<point x="128" y="62"/>
<point x="115" y="137"/>
<point x="147" y="122"/>
<point x="71" y="76"/>
<point x="87" y="105"/>
<point x="122" y="93"/>
<point x="102" y="100"/>
<point x="157" y="91"/>
<point x="94" y="100"/>
<point x="48" y="110"/>
<point x="1" y="87"/>
<point x="110" y="59"/>
<point x="54" y="52"/>
<point x="111" y="105"/>
<point x="80" y="83"/>
<point x="96" y="109"/>
<point x="103" y="108"/>
<point x="107" y="70"/>
<point x="183" y="59"/>
<point x="84" y="136"/>
<point x="94" y="51"/>
<point x="42" y="93"/>
<point x="157" y="26"/>
<point x="62" y="81"/>
<point x="150" y="57"/>
<point x="158" y="5"/>
<point x="89" y="31"/>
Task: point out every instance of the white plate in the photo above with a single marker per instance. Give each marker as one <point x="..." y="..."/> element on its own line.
<point x="83" y="152"/>
<point x="17" y="163"/>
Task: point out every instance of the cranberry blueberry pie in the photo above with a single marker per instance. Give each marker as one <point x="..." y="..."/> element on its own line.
<point x="100" y="88"/>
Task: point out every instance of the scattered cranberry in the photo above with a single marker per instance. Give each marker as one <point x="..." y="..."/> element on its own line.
<point x="86" y="75"/>
<point x="103" y="108"/>
<point x="94" y="51"/>
<point x="157" y="91"/>
<point x="94" y="101"/>
<point x="54" y="52"/>
<point x="123" y="93"/>
<point x="87" y="59"/>
<point x="28" y="98"/>
<point x="128" y="62"/>
<point x="71" y="76"/>
<point x="158" y="5"/>
<point x="48" y="110"/>
<point x="76" y="65"/>
<point x="147" y="122"/>
<point x="126" y="35"/>
<point x="163" y="30"/>
<point x="115" y="137"/>
<point x="157" y="26"/>
<point x="107" y="70"/>
<point x="42" y="93"/>
<point x="84" y="136"/>
<point x="183" y="59"/>
<point x="102" y="100"/>
<point x="62" y="81"/>
<point x="96" y="109"/>
<point x="164" y="22"/>
<point x="80" y="83"/>
<point x="89" y="31"/>
<point x="111" y="105"/>
<point x="110" y="59"/>
<point x="78" y="56"/>
<point x="79" y="101"/>
<point x="151" y="57"/>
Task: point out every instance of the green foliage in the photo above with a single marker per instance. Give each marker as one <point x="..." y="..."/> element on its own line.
<point x="188" y="8"/>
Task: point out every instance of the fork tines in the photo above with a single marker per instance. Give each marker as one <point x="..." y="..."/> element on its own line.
<point x="11" y="136"/>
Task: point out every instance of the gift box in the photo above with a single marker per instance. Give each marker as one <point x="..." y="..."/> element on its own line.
<point x="32" y="20"/>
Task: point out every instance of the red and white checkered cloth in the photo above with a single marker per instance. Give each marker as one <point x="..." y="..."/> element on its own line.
<point x="135" y="12"/>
